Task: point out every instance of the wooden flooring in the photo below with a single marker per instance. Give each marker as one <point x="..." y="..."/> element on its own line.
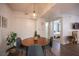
<point x="60" y="50"/>
<point x="65" y="50"/>
<point x="69" y="50"/>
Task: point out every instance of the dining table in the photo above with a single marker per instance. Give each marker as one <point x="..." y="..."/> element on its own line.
<point x="32" y="41"/>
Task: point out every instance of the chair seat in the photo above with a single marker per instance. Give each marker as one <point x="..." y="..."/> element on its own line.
<point x="35" y="50"/>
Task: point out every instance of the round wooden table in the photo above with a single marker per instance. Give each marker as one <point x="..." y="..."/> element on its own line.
<point x="31" y="41"/>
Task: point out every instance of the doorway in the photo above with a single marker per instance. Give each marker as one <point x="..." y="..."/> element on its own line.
<point x="53" y="28"/>
<point x="57" y="29"/>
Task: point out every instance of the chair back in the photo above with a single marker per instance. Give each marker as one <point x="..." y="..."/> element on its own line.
<point x="18" y="42"/>
<point x="51" y="41"/>
<point x="74" y="34"/>
<point x="35" y="50"/>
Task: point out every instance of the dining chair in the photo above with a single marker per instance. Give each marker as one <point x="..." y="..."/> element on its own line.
<point x="19" y="47"/>
<point x="75" y="37"/>
<point x="50" y="42"/>
<point x="11" y="51"/>
<point x="35" y="50"/>
<point x="48" y="46"/>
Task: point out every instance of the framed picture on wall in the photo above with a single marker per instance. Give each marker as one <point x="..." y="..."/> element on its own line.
<point x="4" y="22"/>
<point x="75" y="25"/>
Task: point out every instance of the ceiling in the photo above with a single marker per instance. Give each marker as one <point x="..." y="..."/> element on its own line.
<point x="28" y="8"/>
<point x="46" y="10"/>
<point x="62" y="8"/>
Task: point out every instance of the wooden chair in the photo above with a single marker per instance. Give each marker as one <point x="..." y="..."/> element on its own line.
<point x="48" y="46"/>
<point x="75" y="37"/>
<point x="11" y="51"/>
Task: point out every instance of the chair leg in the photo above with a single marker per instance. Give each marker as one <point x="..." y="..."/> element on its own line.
<point x="43" y="47"/>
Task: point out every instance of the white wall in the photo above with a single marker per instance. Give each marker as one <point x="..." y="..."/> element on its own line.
<point x="24" y="25"/>
<point x="5" y="12"/>
<point x="41" y="27"/>
<point x="68" y="19"/>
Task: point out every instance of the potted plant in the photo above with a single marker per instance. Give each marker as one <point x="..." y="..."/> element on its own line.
<point x="11" y="39"/>
<point x="10" y="42"/>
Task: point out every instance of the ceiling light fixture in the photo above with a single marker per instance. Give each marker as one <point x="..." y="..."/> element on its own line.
<point x="34" y="14"/>
<point x="34" y="11"/>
